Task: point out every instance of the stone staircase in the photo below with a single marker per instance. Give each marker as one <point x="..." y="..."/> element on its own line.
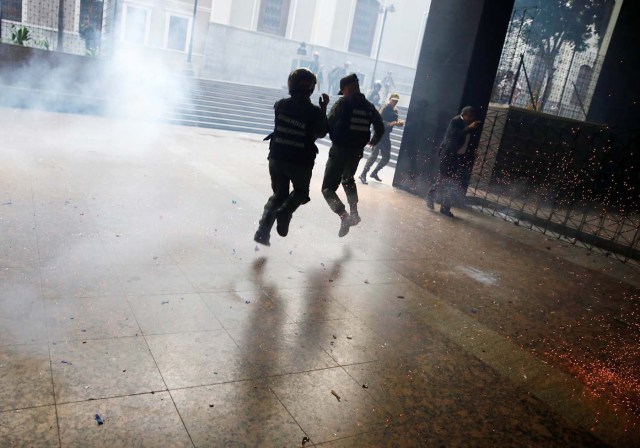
<point x="242" y="108"/>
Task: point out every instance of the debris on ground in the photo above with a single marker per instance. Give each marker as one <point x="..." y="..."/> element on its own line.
<point x="99" y="420"/>
<point x="474" y="310"/>
<point x="364" y="386"/>
<point x="366" y="281"/>
<point x="65" y="362"/>
<point x="164" y="303"/>
<point x="257" y="249"/>
<point x="349" y="337"/>
<point x="247" y="302"/>
<point x="333" y="392"/>
<point x="305" y="440"/>
<point x="233" y="201"/>
<point x="400" y="297"/>
<point x="335" y="337"/>
<point x="211" y="405"/>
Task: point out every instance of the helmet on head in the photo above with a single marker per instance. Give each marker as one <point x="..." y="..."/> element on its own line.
<point x="378" y="83"/>
<point x="394" y="96"/>
<point x="302" y="81"/>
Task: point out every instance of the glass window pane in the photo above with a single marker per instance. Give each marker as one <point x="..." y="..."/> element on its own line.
<point x="178" y="29"/>
<point x="136" y="25"/>
<point x="12" y="10"/>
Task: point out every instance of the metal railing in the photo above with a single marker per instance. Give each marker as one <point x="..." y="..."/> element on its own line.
<point x="575" y="181"/>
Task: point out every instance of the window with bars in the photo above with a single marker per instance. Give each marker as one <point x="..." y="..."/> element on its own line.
<point x="91" y="22"/>
<point x="582" y="84"/>
<point x="11" y="10"/>
<point x="274" y="15"/>
<point x="364" y="25"/>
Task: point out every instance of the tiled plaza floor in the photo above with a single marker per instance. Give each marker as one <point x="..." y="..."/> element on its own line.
<point x="130" y="288"/>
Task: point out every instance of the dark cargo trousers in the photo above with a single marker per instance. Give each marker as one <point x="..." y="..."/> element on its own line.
<point x="384" y="148"/>
<point x="341" y="168"/>
<point x="283" y="174"/>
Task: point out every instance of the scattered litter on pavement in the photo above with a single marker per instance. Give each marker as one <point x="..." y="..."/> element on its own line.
<point x="7" y="203"/>
<point x="99" y="420"/>
<point x="333" y="392"/>
<point x="349" y="337"/>
<point x="400" y="297"/>
<point x="305" y="440"/>
<point x="211" y="405"/>
<point x="364" y="386"/>
<point x="247" y="302"/>
<point x="233" y="201"/>
<point x="335" y="337"/>
<point x="164" y="303"/>
<point x="124" y="371"/>
<point x="474" y="310"/>
<point x="366" y="281"/>
<point x="65" y="362"/>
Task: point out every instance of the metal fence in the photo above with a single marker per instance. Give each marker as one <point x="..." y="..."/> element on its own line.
<point x="575" y="181"/>
<point x="69" y="26"/>
<point x="522" y="76"/>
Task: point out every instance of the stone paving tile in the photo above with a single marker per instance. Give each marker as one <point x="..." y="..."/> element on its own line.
<point x="147" y="420"/>
<point x="311" y="303"/>
<point x="236" y="414"/>
<point x="25" y="377"/>
<point x="239" y="309"/>
<point x="19" y="243"/>
<point x="35" y="427"/>
<point x="103" y="368"/>
<point x="434" y="392"/>
<point x="279" y="350"/>
<point x="197" y="359"/>
<point x="307" y="396"/>
<point x="90" y="318"/>
<point x="64" y="281"/>
<point x="173" y="313"/>
<point x="153" y="279"/>
<point x="21" y="307"/>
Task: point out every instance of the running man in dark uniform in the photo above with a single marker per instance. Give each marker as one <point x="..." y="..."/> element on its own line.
<point x="350" y="121"/>
<point x="292" y="152"/>
<point x="389" y="115"/>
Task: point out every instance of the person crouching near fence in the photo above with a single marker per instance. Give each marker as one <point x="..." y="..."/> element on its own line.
<point x="454" y="157"/>
<point x="292" y="152"/>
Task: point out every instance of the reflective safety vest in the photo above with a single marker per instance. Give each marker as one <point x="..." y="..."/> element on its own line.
<point x="353" y="126"/>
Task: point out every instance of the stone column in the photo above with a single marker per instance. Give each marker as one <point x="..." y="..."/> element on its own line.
<point x="457" y="66"/>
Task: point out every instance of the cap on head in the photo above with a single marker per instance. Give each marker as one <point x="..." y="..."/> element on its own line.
<point x="347" y="80"/>
<point x="394" y="96"/>
<point x="302" y="81"/>
<point x="378" y="83"/>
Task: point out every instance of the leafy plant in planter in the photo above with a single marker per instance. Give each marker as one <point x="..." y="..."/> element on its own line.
<point x="44" y="43"/>
<point x="20" y="36"/>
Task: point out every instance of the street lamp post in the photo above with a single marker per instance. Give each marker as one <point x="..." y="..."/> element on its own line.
<point x="193" y="29"/>
<point x="384" y="10"/>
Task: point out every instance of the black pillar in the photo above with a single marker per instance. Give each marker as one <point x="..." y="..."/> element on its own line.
<point x="616" y="100"/>
<point x="457" y="67"/>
